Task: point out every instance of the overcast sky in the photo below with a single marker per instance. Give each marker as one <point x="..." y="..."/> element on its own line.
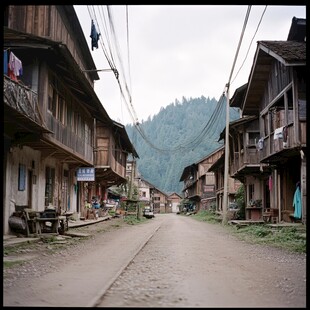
<point x="171" y="51"/>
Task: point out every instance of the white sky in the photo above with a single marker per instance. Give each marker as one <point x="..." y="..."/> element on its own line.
<point x="177" y="50"/>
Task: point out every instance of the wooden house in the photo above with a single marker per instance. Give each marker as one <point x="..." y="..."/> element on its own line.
<point x="158" y="200"/>
<point x="217" y="168"/>
<point x="190" y="189"/>
<point x="52" y="114"/>
<point x="268" y="144"/>
<point x="199" y="182"/>
<point x="174" y="200"/>
<point x="276" y="93"/>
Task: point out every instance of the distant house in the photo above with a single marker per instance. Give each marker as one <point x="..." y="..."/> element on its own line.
<point x="174" y="200"/>
<point x="199" y="182"/>
<point x="158" y="200"/>
<point x="147" y="193"/>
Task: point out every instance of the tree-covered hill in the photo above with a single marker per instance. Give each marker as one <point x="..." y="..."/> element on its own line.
<point x="182" y="133"/>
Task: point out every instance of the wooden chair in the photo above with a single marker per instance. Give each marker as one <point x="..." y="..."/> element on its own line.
<point x="267" y="215"/>
<point x="32" y="225"/>
<point x="274" y="215"/>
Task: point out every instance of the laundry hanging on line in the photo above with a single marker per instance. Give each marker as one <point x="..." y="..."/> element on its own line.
<point x="94" y="36"/>
<point x="278" y="133"/>
<point x="297" y="205"/>
<point x="12" y="65"/>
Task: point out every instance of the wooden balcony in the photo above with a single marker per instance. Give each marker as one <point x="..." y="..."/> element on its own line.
<point x="25" y="125"/>
<point x="245" y="162"/>
<point x="275" y="148"/>
<point x="64" y="136"/>
<point x="21" y="108"/>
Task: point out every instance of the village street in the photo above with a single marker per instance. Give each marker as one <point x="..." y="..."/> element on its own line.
<point x="168" y="261"/>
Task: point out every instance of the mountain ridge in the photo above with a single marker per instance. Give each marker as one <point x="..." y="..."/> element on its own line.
<point x="179" y="135"/>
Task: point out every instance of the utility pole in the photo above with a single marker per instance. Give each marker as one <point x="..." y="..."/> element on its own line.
<point x="225" y="197"/>
<point x="131" y="178"/>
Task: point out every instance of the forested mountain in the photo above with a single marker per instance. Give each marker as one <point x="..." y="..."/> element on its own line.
<point x="181" y="134"/>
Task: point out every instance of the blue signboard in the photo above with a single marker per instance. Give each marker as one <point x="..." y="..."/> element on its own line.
<point x="86" y="174"/>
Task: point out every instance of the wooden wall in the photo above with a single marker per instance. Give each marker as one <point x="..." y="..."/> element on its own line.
<point x="51" y="22"/>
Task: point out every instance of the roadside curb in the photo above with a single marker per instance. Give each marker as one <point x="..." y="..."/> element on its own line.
<point x="12" y="240"/>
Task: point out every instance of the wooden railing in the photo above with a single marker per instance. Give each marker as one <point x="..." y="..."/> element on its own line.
<point x="64" y="135"/>
<point x="22" y="99"/>
<point x="272" y="146"/>
<point x="249" y="156"/>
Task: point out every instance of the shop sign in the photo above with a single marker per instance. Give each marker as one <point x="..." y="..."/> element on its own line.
<point x="86" y="174"/>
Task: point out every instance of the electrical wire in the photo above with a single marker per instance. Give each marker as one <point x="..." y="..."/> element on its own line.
<point x="208" y="131"/>
<point x="239" y="44"/>
<point x="247" y="53"/>
<point x="193" y="143"/>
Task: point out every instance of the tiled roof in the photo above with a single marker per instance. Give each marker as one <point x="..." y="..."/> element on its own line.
<point x="290" y="51"/>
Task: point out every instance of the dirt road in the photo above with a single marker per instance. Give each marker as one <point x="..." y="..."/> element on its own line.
<point x="169" y="261"/>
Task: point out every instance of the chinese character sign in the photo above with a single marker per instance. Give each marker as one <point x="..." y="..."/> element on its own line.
<point x="86" y="174"/>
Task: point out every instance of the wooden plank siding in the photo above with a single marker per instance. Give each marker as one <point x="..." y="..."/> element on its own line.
<point x="108" y="152"/>
<point x="47" y="21"/>
<point x="65" y="137"/>
<point x="103" y="150"/>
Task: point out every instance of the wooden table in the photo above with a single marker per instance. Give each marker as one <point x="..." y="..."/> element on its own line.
<point x="254" y="213"/>
<point x="44" y="228"/>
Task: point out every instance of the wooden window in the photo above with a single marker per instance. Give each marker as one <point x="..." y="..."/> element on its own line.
<point x="251" y="191"/>
<point x="253" y="137"/>
<point x="87" y="134"/>
<point x="62" y="110"/>
<point x="69" y="113"/>
<point x="21" y="177"/>
<point x="49" y="185"/>
<point x="302" y="104"/>
<point x="50" y="97"/>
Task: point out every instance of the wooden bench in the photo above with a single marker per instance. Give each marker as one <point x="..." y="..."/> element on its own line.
<point x="39" y="222"/>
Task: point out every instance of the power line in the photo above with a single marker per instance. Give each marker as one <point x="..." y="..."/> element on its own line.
<point x="250" y="44"/>
<point x="226" y="162"/>
<point x="192" y="143"/>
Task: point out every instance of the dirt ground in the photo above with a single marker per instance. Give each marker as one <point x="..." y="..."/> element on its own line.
<point x="168" y="261"/>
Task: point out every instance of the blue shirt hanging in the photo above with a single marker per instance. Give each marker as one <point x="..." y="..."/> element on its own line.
<point x="94" y="36"/>
<point x="5" y="62"/>
<point x="297" y="202"/>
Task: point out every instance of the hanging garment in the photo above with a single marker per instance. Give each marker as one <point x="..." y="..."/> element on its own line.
<point x="297" y="203"/>
<point x="5" y="62"/>
<point x="278" y="133"/>
<point x="94" y="36"/>
<point x="15" y="67"/>
<point x="260" y="144"/>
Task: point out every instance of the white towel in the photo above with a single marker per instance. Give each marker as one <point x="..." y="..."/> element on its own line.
<point x="278" y="133"/>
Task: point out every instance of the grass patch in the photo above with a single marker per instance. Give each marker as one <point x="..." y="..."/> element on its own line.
<point x="289" y="238"/>
<point x="49" y="239"/>
<point x="133" y="220"/>
<point x="206" y="216"/>
<point x="9" y="264"/>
